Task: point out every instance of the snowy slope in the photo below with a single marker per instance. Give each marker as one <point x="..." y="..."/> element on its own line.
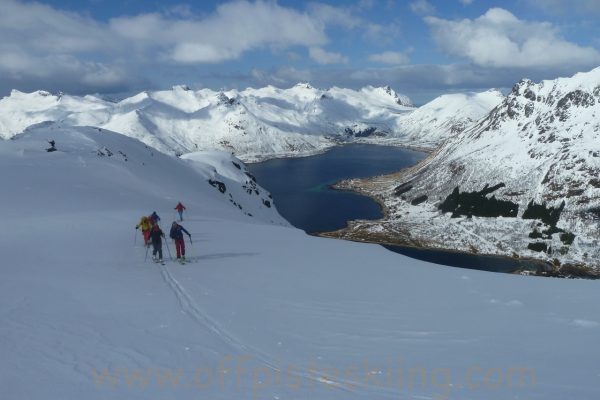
<point x="540" y="145"/>
<point x="254" y="123"/>
<point x="445" y="116"/>
<point x="264" y="311"/>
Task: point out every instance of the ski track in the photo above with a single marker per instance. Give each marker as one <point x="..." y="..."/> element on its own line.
<point x="189" y="307"/>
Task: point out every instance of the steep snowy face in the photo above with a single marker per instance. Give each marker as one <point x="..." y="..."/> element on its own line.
<point x="541" y="140"/>
<point x="526" y="177"/>
<point x="447" y="115"/>
<point x="254" y="123"/>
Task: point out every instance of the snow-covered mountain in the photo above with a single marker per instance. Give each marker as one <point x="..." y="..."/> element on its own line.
<point x="262" y="310"/>
<point x="525" y="180"/>
<point x="445" y="116"/>
<point x="253" y="123"/>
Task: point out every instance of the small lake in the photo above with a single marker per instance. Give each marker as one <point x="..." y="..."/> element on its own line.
<point x="301" y="193"/>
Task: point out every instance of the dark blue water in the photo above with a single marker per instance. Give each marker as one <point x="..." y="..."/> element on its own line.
<point x="301" y="193"/>
<point x="300" y="186"/>
<point x="470" y="261"/>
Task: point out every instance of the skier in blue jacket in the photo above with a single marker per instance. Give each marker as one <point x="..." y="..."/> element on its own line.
<point x="154" y="218"/>
<point x="177" y="235"/>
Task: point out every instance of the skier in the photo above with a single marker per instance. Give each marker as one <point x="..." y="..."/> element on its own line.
<point x="154" y="218"/>
<point x="52" y="148"/>
<point x="177" y="235"/>
<point x="156" y="235"/>
<point x="145" y="225"/>
<point x="180" y="207"/>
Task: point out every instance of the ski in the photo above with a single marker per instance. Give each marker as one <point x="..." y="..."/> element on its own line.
<point x="157" y="261"/>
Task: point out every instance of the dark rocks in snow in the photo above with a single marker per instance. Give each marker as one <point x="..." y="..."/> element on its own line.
<point x="512" y="108"/>
<point x="105" y="151"/>
<point x="548" y="215"/>
<point x="418" y="200"/>
<point x="538" y="246"/>
<point x="401" y="189"/>
<point x="575" y="192"/>
<point x="529" y="95"/>
<point x="238" y="166"/>
<point x="267" y="203"/>
<point x="224" y="100"/>
<point x="219" y="185"/>
<point x="248" y="190"/>
<point x="567" y="238"/>
<point x="529" y="110"/>
<point x="535" y="234"/>
<point x="249" y="175"/>
<point x="366" y="132"/>
<point x="577" y="98"/>
<point x="477" y="204"/>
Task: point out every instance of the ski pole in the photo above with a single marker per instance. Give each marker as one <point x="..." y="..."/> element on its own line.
<point x="135" y="238"/>
<point x="168" y="250"/>
<point x="191" y="248"/>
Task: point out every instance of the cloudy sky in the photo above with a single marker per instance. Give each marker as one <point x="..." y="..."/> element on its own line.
<point x="421" y="48"/>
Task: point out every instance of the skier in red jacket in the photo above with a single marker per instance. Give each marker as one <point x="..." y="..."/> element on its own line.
<point x="180" y="207"/>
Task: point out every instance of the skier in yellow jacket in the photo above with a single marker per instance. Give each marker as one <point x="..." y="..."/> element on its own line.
<point x="145" y="225"/>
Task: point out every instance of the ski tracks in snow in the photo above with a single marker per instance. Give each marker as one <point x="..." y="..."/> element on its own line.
<point x="197" y="314"/>
<point x="189" y="307"/>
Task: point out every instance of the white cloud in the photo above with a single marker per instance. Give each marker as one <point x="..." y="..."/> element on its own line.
<point x="82" y="54"/>
<point x="499" y="39"/>
<point x="390" y="57"/>
<point x="330" y="15"/>
<point x="45" y="48"/>
<point x="349" y="18"/>
<point x="422" y="7"/>
<point x="233" y="29"/>
<point x="466" y="2"/>
<point x="325" y="57"/>
<point x="37" y="40"/>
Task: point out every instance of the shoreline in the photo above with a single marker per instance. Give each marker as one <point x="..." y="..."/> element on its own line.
<point x="409" y="245"/>
<point x="545" y="268"/>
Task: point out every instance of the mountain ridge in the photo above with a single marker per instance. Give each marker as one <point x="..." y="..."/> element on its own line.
<point x="537" y="149"/>
<point x="255" y="124"/>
